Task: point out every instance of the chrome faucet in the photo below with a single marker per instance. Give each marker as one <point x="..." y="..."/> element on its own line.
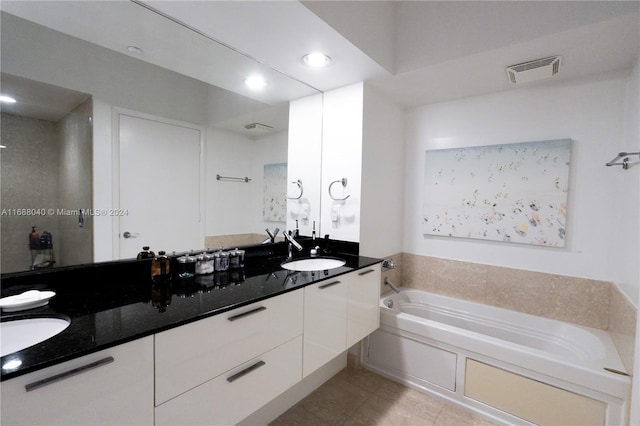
<point x="388" y="282"/>
<point x="272" y="236"/>
<point x="292" y="243"/>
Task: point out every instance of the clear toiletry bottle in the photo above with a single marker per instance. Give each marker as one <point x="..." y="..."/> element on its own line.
<point x="221" y="261"/>
<point x="185" y="267"/>
<point x="234" y="259"/>
<point x="204" y="264"/>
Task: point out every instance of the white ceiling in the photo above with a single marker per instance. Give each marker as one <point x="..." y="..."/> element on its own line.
<point x="443" y="50"/>
<point x="39" y="100"/>
<point x="415" y="52"/>
<point x="119" y="24"/>
<point x="420" y="52"/>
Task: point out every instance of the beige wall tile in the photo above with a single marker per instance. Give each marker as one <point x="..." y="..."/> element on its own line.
<point x="622" y="327"/>
<point x="232" y="240"/>
<point x="463" y="280"/>
<point x="577" y="300"/>
<point x="580" y="301"/>
<point x="522" y="291"/>
<point x="418" y="272"/>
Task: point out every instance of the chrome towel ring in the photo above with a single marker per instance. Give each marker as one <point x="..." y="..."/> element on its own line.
<point x="343" y="181"/>
<point x="299" y="183"/>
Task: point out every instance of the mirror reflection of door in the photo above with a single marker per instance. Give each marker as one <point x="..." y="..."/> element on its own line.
<point x="160" y="191"/>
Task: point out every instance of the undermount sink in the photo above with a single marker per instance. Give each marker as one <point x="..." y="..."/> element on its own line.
<point x="313" y="264"/>
<point x="22" y="333"/>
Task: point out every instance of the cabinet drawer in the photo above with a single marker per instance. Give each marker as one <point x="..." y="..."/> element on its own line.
<point x="237" y="393"/>
<point x="110" y="387"/>
<point x="188" y="356"/>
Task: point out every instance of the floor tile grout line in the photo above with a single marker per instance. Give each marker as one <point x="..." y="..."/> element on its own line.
<point x="435" y="421"/>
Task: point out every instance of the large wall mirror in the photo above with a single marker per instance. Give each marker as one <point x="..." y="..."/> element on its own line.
<point x="82" y="87"/>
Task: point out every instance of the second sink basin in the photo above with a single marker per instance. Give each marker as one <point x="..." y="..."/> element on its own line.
<point x="19" y="334"/>
<point x="313" y="264"/>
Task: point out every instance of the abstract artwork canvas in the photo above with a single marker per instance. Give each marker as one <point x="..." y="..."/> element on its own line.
<point x="274" y="195"/>
<point x="512" y="192"/>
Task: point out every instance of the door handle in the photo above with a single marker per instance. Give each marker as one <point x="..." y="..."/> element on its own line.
<point x="127" y="234"/>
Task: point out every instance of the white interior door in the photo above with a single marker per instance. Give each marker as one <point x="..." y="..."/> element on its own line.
<point x="160" y="187"/>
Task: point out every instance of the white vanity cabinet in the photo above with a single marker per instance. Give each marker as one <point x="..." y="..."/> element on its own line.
<point x="110" y="387"/>
<point x="338" y="313"/>
<point x="325" y="322"/>
<point x="363" y="299"/>
<point x="220" y="369"/>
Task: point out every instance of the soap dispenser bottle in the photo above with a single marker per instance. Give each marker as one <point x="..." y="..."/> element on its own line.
<point x="160" y="266"/>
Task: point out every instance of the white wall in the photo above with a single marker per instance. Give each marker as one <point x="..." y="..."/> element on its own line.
<point x="382" y="176"/>
<point x="591" y="113"/>
<point x="627" y="208"/>
<point x="630" y="283"/>
<point x="362" y="141"/>
<point x="342" y="158"/>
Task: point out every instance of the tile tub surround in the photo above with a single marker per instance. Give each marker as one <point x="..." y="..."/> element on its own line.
<point x="622" y="326"/>
<point x="591" y="303"/>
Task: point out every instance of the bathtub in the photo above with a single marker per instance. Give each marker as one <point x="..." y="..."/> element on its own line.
<point x="511" y="367"/>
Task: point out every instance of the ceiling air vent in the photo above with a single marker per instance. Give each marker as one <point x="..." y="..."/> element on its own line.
<point x="534" y="70"/>
<point x="258" y="127"/>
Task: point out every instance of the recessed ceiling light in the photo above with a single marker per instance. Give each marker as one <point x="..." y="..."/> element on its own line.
<point x="255" y="82"/>
<point x="135" y="50"/>
<point x="316" y="60"/>
<point x="7" y="99"/>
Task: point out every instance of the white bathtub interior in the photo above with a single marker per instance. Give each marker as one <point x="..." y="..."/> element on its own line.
<point x="425" y="340"/>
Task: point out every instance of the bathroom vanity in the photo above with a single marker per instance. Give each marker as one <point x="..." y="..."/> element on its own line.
<point x="213" y="356"/>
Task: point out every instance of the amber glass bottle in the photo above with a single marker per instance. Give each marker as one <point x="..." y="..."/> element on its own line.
<point x="146" y="253"/>
<point x="160" y="266"/>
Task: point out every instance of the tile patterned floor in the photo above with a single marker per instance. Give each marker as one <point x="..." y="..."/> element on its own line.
<point x="356" y="396"/>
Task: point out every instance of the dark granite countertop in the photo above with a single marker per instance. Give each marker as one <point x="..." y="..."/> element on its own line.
<point x="119" y="306"/>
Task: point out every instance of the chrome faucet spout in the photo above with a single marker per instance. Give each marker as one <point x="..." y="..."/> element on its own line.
<point x="272" y="236"/>
<point x="388" y="282"/>
<point x="292" y="242"/>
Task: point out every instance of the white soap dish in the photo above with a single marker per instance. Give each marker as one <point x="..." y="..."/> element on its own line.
<point x="27" y="300"/>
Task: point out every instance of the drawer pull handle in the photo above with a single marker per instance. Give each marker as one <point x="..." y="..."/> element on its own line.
<point x="246" y="371"/>
<point x="73" y="372"/>
<point x="244" y="314"/>
<point x="320" y="287"/>
<point x="368" y="271"/>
